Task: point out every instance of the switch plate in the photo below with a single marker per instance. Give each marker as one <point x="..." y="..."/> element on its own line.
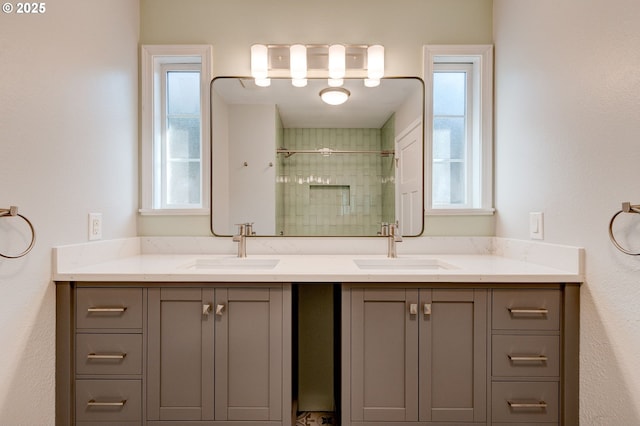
<point x="536" y="226"/>
<point x="95" y="226"/>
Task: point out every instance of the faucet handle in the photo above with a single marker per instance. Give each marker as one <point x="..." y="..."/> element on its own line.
<point x="394" y="231"/>
<point x="245" y="229"/>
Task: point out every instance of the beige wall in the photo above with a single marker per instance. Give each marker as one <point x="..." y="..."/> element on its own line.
<point x="567" y="144"/>
<point x="68" y="146"/>
<point x="233" y="26"/>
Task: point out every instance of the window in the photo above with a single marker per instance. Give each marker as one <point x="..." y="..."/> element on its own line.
<point x="459" y="129"/>
<point x="175" y="129"/>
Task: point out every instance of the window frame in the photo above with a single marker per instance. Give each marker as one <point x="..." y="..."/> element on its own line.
<point x="480" y="164"/>
<point x="155" y="59"/>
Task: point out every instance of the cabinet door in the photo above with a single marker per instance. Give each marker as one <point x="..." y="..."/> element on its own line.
<point x="180" y="354"/>
<point x="453" y="346"/>
<point x="384" y="355"/>
<point x="248" y="357"/>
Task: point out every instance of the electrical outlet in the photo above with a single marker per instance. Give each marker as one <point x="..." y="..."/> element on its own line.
<point x="95" y="226"/>
<point x="536" y="226"/>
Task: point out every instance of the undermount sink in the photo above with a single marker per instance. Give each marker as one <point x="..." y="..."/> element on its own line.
<point x="233" y="263"/>
<point x="402" y="263"/>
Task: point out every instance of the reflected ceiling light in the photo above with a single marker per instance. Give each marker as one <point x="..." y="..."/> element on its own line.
<point x="260" y="63"/>
<point x="298" y="64"/>
<point x="263" y="82"/>
<point x="371" y="82"/>
<point x="299" y="82"/>
<point x="375" y="63"/>
<point x="334" y="95"/>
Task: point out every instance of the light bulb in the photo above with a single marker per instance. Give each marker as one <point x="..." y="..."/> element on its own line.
<point x="337" y="61"/>
<point x="259" y="61"/>
<point x="298" y="61"/>
<point x="375" y="62"/>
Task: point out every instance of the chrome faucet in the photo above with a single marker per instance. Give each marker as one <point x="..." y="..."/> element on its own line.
<point x="390" y="230"/>
<point x="244" y="230"/>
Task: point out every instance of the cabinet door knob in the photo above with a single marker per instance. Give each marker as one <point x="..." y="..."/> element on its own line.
<point x="413" y="309"/>
<point x="206" y="309"/>
<point x="219" y="309"/>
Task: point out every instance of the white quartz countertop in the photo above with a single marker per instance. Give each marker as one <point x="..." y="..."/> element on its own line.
<point x="137" y="266"/>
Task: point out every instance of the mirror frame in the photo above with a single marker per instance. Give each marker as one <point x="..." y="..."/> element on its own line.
<point x="211" y="161"/>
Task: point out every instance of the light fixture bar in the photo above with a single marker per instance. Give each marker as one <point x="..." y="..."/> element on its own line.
<point x="334" y="62"/>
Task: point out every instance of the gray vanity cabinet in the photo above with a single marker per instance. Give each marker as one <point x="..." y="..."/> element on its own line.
<point x="180" y="337"/>
<point x="412" y="354"/>
<point x="215" y="354"/>
<point x="249" y="354"/>
<point x="453" y="355"/>
<point x="160" y="354"/>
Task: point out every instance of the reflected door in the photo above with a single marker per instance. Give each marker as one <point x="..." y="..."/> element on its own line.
<point x="409" y="208"/>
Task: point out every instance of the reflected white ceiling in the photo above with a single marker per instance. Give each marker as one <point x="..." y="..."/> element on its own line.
<point x="302" y="107"/>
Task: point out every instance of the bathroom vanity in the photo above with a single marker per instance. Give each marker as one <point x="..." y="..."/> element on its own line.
<point x="207" y="340"/>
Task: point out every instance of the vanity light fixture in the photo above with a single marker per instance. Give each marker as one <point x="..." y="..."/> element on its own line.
<point x="334" y="95"/>
<point x="334" y="62"/>
<point x="260" y="64"/>
<point x="375" y="65"/>
<point x="298" y="65"/>
<point x="337" y="64"/>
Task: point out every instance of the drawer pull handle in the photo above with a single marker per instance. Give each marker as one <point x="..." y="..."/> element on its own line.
<point x="219" y="310"/>
<point x="534" y="358"/>
<point x="94" y="403"/>
<point x="413" y="309"/>
<point x="540" y="311"/>
<point x="107" y="309"/>
<point x="206" y="309"/>
<point x="427" y="308"/>
<point x="514" y="404"/>
<point x="106" y="356"/>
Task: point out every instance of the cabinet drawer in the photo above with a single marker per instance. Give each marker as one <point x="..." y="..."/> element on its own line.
<point x="108" y="400"/>
<point x="109" y="354"/>
<point x="526" y="309"/>
<point x="520" y="402"/>
<point x="109" y="308"/>
<point x="514" y="356"/>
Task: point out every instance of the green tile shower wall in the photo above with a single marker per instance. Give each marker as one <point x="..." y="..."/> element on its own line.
<point x="340" y="194"/>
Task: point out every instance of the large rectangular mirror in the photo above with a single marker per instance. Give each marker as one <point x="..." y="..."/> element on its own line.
<point x="293" y="165"/>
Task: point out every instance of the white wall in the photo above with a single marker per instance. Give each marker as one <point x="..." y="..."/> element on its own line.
<point x="252" y="188"/>
<point x="568" y="144"/>
<point x="68" y="146"/>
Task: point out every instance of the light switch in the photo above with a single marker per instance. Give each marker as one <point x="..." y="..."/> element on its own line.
<point x="536" y="226"/>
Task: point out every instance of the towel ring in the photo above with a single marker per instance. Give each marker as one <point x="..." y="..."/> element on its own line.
<point x="13" y="211"/>
<point x="626" y="208"/>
